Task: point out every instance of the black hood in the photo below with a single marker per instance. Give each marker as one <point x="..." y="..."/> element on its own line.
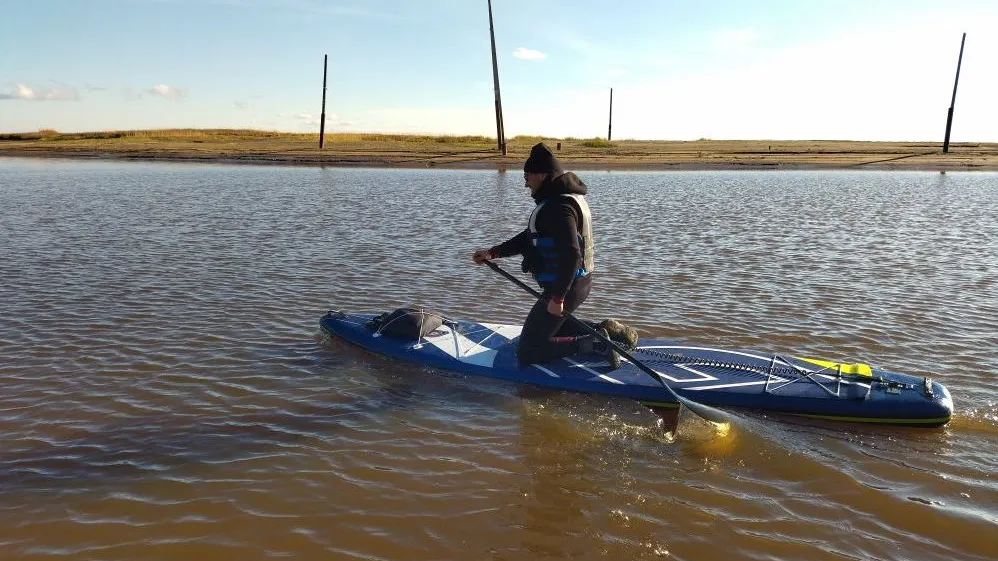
<point x="542" y="160"/>
<point x="565" y="184"/>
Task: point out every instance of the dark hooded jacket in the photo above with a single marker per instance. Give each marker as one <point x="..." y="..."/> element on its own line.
<point x="559" y="219"/>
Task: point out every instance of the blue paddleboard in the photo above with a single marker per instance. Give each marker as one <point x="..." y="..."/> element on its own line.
<point x="708" y="375"/>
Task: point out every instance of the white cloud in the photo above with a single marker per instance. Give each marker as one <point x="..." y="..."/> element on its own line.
<point x="306" y="119"/>
<point x="310" y="121"/>
<point x="528" y="54"/>
<point x="58" y="93"/>
<point x="334" y="120"/>
<point x="733" y="39"/>
<point x="169" y="92"/>
<point x="247" y="103"/>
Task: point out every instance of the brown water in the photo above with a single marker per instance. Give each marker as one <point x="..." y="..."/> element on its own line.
<point x="166" y="394"/>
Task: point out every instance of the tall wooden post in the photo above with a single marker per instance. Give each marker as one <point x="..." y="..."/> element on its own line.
<point x="322" y="116"/>
<point x="949" y="114"/>
<point x="500" y="133"/>
<point x="609" y="128"/>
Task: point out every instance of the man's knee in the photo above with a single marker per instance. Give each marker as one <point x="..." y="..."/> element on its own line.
<point x="526" y="354"/>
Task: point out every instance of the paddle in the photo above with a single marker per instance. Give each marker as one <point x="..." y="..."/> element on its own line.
<point x="708" y="413"/>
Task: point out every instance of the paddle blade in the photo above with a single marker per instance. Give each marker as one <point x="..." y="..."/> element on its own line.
<point x="711" y="414"/>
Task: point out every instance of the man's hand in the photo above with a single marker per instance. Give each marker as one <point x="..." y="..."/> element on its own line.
<point x="481" y="256"/>
<point x="556" y="307"/>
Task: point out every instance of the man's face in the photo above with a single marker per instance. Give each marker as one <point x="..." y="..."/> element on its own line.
<point x="534" y="180"/>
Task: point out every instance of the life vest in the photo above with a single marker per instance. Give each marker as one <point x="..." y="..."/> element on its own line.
<point x="544" y="261"/>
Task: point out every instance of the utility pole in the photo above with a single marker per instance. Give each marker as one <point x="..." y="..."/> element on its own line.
<point x="609" y="127"/>
<point x="500" y="133"/>
<point x="322" y="116"/>
<point x="949" y="115"/>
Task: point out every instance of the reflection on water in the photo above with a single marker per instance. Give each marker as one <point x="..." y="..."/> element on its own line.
<point x="167" y="395"/>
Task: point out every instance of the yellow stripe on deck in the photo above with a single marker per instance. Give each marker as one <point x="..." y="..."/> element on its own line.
<point x="856" y="368"/>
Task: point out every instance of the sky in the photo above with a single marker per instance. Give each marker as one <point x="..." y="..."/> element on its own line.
<point x="679" y="69"/>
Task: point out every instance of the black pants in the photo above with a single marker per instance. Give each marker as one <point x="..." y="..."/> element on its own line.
<point x="537" y="343"/>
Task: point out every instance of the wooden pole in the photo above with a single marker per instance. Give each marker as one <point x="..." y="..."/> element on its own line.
<point x="949" y="114"/>
<point x="500" y="133"/>
<point x="609" y="127"/>
<point x="322" y="116"/>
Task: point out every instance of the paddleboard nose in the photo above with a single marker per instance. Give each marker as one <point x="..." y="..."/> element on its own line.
<point x="941" y="397"/>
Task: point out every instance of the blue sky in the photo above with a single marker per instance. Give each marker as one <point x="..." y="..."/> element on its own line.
<point x="682" y="70"/>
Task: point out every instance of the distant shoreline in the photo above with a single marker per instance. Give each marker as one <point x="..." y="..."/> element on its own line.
<point x="454" y="152"/>
<point x="498" y="165"/>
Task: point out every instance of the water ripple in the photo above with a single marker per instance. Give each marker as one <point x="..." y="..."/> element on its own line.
<point x="167" y="394"/>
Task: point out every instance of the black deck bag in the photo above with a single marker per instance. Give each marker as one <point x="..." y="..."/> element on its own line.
<point x="407" y="323"/>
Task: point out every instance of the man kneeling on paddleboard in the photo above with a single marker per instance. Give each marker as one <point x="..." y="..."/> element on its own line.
<point x="557" y="249"/>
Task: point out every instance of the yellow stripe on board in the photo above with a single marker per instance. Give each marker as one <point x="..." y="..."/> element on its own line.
<point x="857" y="368"/>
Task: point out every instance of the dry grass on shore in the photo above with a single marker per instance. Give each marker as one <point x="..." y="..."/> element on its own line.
<point x="398" y="150"/>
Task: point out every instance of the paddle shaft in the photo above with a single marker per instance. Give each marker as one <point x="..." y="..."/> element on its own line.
<point x="708" y="413"/>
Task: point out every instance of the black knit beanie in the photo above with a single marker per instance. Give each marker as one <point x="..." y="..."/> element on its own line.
<point x="542" y="160"/>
